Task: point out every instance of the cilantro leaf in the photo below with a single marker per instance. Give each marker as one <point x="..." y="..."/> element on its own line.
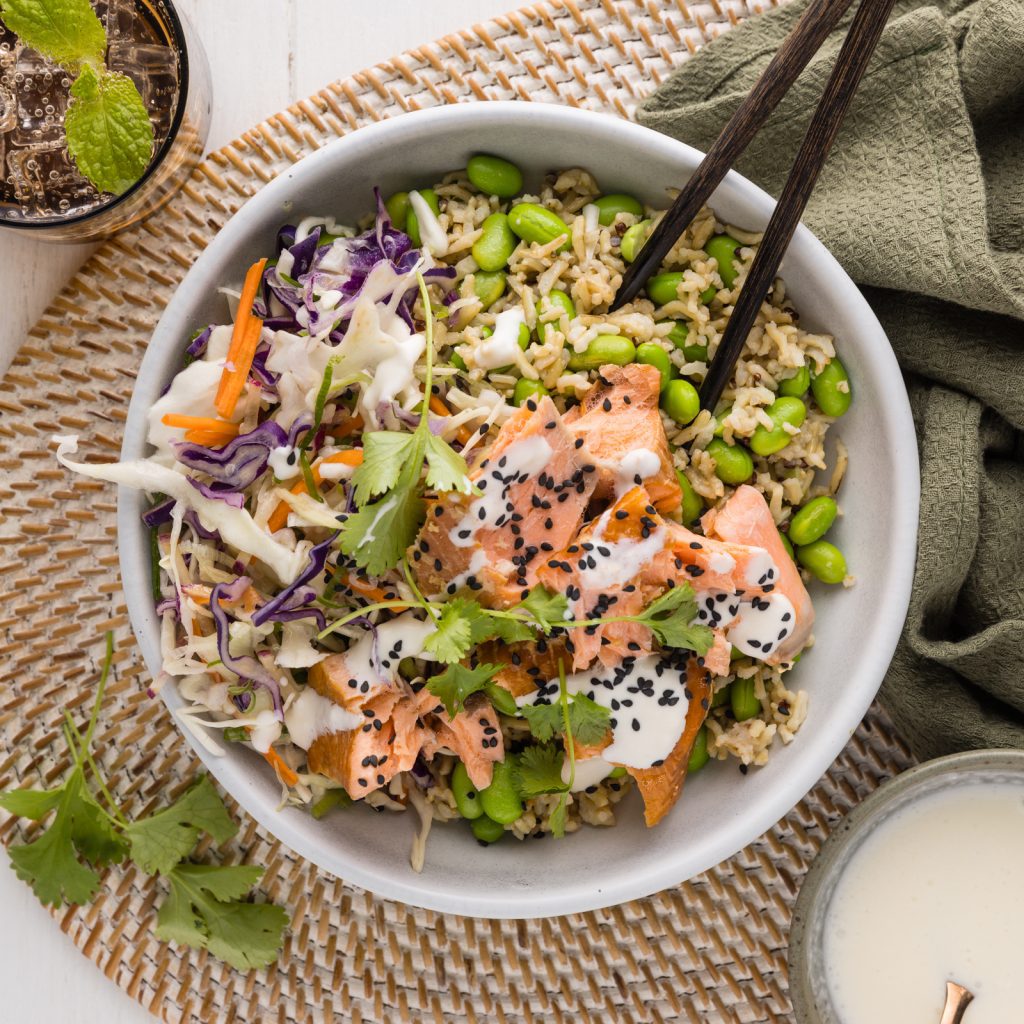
<point x="109" y="132"/>
<point x="545" y="607"/>
<point x="203" y="909"/>
<point x="545" y="720"/>
<point x="31" y="803"/>
<point x="588" y="720"/>
<point x="539" y="770"/>
<point x="50" y="864"/>
<point x="385" y="454"/>
<point x="164" y="838"/>
<point x="461" y="624"/>
<point x="457" y="683"/>
<point x="68" y="32"/>
<point x="510" y="630"/>
<point x="670" y="616"/>
<point x="94" y="834"/>
<point x="446" y="468"/>
<point x="377" y="535"/>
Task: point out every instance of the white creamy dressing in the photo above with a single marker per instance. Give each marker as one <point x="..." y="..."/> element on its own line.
<point x="519" y="462"/>
<point x="589" y="772"/>
<point x="721" y="562"/>
<point x="648" y="704"/>
<point x="476" y="564"/>
<point x="193" y="391"/>
<point x="502" y="347"/>
<point x="284" y="463"/>
<point x="264" y="730"/>
<point x="311" y="716"/>
<point x="402" y="637"/>
<point x="762" y="624"/>
<point x="435" y="241"/>
<point x="634" y="468"/>
<point x="936" y="894"/>
<point x="236" y="526"/>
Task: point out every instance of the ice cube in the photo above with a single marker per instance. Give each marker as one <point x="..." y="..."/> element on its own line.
<point x="118" y="17"/>
<point x="9" y="47"/>
<point x="45" y="180"/>
<point x="8" y="111"/>
<point x="154" y="70"/>
<point x="42" y="90"/>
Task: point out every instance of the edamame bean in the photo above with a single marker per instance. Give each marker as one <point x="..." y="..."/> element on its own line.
<point x="650" y="353"/>
<point x="699" y="755"/>
<point x="797" y="385"/>
<point x="500" y="800"/>
<point x="398" y="209"/>
<point x="489" y="287"/>
<point x="733" y="463"/>
<point x="533" y="223"/>
<point x="611" y="206"/>
<point x="742" y="699"/>
<point x="553" y="300"/>
<point x="680" y="333"/>
<point x="407" y="668"/>
<point x="823" y="560"/>
<point x="723" y="249"/>
<point x="457" y="361"/>
<point x="486" y="830"/>
<point x="502" y="700"/>
<point x="695" y="353"/>
<point x="494" y="176"/>
<point x="787" y="545"/>
<point x="605" y="348"/>
<point x="525" y="389"/>
<point x="813" y="520"/>
<point x="633" y="240"/>
<point x="467" y="799"/>
<point x="664" y="288"/>
<point x="721" y="696"/>
<point x="708" y="294"/>
<point x="825" y="387"/>
<point x="782" y="411"/>
<point x="682" y="336"/>
<point x="720" y="419"/>
<point x="693" y="503"/>
<point x="495" y="244"/>
<point x="681" y="401"/>
<point x="412" y="224"/>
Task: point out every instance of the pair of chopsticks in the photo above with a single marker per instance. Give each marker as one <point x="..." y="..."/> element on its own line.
<point x="794" y="54"/>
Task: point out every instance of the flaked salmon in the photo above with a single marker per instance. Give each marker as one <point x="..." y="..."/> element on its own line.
<point x="620" y="422"/>
<point x="777" y="624"/>
<point x="535" y="482"/>
<point x="525" y="666"/>
<point x="474" y="734"/>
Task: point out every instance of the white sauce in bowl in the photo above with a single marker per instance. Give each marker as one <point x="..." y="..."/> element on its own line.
<point x="936" y="894"/>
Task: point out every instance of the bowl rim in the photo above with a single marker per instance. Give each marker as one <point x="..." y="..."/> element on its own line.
<point x="818" y="750"/>
<point x="853" y="830"/>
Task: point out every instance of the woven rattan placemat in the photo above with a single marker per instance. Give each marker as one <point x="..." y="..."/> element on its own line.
<point x="710" y="950"/>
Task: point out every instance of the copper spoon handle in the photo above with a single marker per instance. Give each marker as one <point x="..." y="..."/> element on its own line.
<point x="957" y="1000"/>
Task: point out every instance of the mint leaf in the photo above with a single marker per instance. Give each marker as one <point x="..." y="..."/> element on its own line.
<point x="164" y="838"/>
<point x="385" y="453"/>
<point x="456" y="684"/>
<point x="446" y="468"/>
<point x="204" y="910"/>
<point x="539" y="770"/>
<point x="68" y="32"/>
<point x="110" y="135"/>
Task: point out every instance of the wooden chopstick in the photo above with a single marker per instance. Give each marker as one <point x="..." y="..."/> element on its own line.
<point x="792" y="57"/>
<point x="852" y="62"/>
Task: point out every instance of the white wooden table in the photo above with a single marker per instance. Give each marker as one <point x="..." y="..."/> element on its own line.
<point x="264" y="54"/>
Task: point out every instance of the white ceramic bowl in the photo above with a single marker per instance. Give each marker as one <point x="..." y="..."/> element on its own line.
<point x="721" y="810"/>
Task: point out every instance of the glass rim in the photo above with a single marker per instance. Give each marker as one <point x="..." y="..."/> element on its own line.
<point x="180" y="44"/>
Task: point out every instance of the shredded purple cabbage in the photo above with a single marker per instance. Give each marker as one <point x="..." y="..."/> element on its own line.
<point x="158" y="514"/>
<point x="198" y="344"/>
<point x="232" y="498"/>
<point x="247" y="667"/>
<point x="293" y="601"/>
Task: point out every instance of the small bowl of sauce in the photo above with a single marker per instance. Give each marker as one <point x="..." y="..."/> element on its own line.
<point x="921" y="884"/>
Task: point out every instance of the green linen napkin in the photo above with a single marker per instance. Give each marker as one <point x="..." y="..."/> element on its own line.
<point x="922" y="201"/>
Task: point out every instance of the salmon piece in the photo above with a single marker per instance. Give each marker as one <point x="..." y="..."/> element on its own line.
<point x="660" y="787"/>
<point x="474" y="734"/>
<point x="745" y="519"/>
<point x="622" y="415"/>
<point x="332" y="678"/>
<point x="536" y="481"/>
<point x="527" y="665"/>
<point x="719" y="655"/>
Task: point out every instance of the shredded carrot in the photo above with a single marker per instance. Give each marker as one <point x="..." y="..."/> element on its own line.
<point x="208" y="423"/>
<point x="208" y="438"/>
<point x="284" y="773"/>
<point x="245" y="337"/>
<point x="346" y="429"/>
<point x="364" y="587"/>
<point x="352" y="457"/>
<point x="437" y="406"/>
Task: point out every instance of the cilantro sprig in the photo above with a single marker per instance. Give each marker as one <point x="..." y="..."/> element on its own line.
<point x="206" y="905"/>
<point x="389" y="483"/>
<point x="109" y="132"/>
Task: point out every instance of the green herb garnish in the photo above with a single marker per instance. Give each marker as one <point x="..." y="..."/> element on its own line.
<point x="456" y="684"/>
<point x="539" y="770"/>
<point x="109" y="132"/>
<point x="206" y="906"/>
